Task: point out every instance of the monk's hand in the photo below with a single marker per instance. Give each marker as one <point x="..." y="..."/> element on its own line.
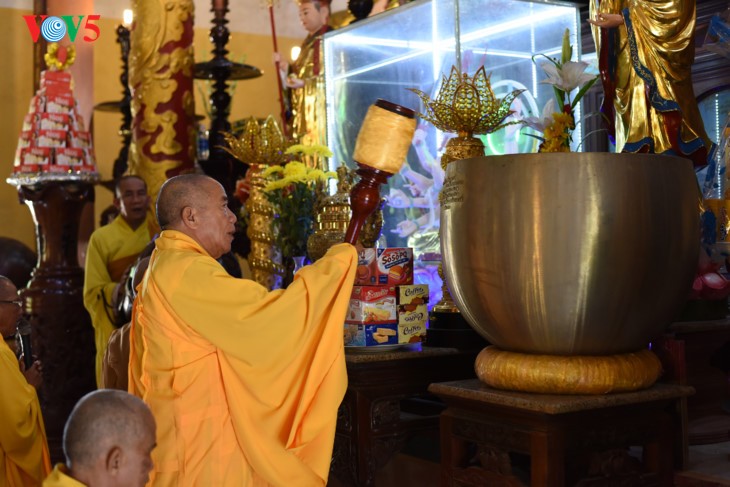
<point x="34" y="375"/>
<point x="607" y="20"/>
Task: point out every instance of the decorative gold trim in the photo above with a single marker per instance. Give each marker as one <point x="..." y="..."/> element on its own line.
<point x="576" y="374"/>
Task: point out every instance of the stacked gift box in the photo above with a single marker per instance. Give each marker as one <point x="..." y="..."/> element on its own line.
<point x="386" y="308"/>
<point x="53" y="139"/>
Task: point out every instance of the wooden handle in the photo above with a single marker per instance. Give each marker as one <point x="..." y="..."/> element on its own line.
<point x="364" y="199"/>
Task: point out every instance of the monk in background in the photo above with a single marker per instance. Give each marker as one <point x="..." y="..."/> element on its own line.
<point x="244" y="383"/>
<point x="112" y="250"/>
<point x="107" y="442"/>
<point x="24" y="457"/>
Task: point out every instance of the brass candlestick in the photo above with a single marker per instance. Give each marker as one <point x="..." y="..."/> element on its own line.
<point x="466" y="106"/>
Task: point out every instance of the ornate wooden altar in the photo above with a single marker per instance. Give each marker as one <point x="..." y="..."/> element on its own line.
<point x="387" y="403"/>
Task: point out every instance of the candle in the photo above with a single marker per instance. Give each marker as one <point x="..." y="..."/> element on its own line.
<point x="127" y="17"/>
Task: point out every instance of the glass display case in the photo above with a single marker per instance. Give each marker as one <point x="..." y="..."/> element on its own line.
<point x="415" y="46"/>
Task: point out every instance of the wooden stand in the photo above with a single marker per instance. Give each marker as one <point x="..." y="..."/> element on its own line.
<point x="62" y="335"/>
<point x="570" y="440"/>
<point x="386" y="404"/>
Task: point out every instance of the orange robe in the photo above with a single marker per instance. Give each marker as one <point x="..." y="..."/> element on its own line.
<point x="60" y="478"/>
<point x="24" y="457"/>
<point x="112" y="249"/>
<point x="244" y="383"/>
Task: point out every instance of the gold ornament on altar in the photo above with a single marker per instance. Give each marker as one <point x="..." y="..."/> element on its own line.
<point x="58" y="57"/>
<point x="467" y="106"/>
<point x="260" y="146"/>
<point x="332" y="215"/>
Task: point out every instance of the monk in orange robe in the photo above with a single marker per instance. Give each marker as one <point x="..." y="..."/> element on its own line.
<point x="244" y="383"/>
<point x="24" y="457"/>
<point x="113" y="248"/>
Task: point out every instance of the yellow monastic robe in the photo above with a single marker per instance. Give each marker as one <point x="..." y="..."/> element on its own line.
<point x="24" y="457"/>
<point x="646" y="70"/>
<point x="244" y="383"/>
<point x="59" y="478"/>
<point x="112" y="249"/>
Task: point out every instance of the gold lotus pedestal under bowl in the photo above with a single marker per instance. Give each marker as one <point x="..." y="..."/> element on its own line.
<point x="570" y="264"/>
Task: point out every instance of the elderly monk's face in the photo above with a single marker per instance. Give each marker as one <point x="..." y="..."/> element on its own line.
<point x="10" y="308"/>
<point x="133" y="201"/>
<point x="218" y="226"/>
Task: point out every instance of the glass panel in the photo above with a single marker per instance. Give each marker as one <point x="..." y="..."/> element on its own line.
<point x="414" y="46"/>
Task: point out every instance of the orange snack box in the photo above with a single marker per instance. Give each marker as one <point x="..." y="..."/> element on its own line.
<point x="390" y="266"/>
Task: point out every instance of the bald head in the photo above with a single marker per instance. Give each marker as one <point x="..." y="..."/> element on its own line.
<point x="7" y="289"/>
<point x="109" y="436"/>
<point x="197" y="206"/>
<point x="176" y="194"/>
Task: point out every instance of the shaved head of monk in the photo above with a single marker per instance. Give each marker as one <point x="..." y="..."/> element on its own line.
<point x="108" y="440"/>
<point x="197" y="206"/>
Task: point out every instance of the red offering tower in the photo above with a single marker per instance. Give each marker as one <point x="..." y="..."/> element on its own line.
<point x="54" y="172"/>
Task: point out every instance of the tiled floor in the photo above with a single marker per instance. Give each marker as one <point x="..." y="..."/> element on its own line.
<point x="709" y="466"/>
<point x="707" y="463"/>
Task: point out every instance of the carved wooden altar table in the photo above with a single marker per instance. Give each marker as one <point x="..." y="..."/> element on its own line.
<point x="386" y="403"/>
<point x="570" y="440"/>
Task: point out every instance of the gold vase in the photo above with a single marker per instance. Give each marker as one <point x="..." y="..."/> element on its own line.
<point x="332" y="217"/>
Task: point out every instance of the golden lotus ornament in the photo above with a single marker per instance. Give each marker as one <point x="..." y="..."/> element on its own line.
<point x="467" y="106"/>
<point x="259" y="146"/>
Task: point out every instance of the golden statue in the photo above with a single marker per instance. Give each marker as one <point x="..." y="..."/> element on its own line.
<point x="645" y="54"/>
<point x="305" y="80"/>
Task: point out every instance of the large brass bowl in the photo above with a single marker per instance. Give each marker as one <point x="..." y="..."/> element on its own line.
<point x="570" y="254"/>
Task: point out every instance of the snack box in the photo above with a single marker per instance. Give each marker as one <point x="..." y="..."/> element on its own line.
<point x="390" y="266"/>
<point x="370" y="335"/>
<point x="35" y="156"/>
<point x="51" y="138"/>
<point x="53" y="121"/>
<point x="411" y="295"/>
<point x="70" y="156"/>
<point x="412" y="323"/>
<point x="59" y="104"/>
<point x="55" y="76"/>
<point x="81" y="139"/>
<point x="371" y="305"/>
<point x="29" y="122"/>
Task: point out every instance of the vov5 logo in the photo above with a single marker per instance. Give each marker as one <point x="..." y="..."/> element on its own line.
<point x="53" y="28"/>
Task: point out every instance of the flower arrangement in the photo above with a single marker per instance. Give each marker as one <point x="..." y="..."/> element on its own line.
<point x="293" y="190"/>
<point x="565" y="76"/>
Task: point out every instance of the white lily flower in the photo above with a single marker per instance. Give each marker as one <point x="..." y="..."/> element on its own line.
<point x="539" y="123"/>
<point x="569" y="76"/>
